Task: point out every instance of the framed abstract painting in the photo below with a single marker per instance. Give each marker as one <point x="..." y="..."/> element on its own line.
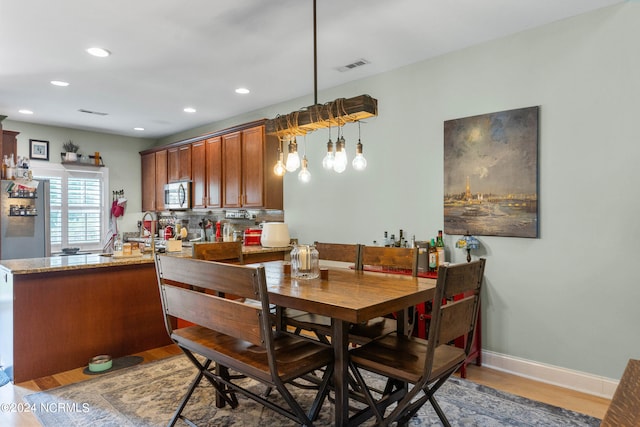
<point x="491" y="174"/>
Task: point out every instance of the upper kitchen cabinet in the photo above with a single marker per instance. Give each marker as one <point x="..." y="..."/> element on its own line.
<point x="154" y="177"/>
<point x="8" y="143"/>
<point x="206" y="173"/>
<point x="179" y="163"/>
<point x="248" y="180"/>
<point x="148" y="181"/>
<point x="162" y="177"/>
<point x="231" y="168"/>
<point x="213" y="153"/>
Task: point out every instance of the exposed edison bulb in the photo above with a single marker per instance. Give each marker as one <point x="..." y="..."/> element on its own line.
<point x="341" y="161"/>
<point x="279" y="168"/>
<point x="359" y="162"/>
<point x="328" y="160"/>
<point x="304" y="175"/>
<point x="293" y="158"/>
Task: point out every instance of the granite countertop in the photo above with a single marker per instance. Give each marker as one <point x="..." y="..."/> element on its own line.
<point x="79" y="262"/>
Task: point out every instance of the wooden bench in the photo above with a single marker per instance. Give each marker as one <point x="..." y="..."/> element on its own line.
<point x="237" y="335"/>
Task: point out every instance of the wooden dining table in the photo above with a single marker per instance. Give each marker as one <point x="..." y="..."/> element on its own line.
<point x="347" y="296"/>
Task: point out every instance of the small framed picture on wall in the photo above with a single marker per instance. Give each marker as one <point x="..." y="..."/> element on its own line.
<point x="38" y="149"/>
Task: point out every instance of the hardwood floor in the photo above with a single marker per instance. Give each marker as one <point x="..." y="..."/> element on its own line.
<point x="558" y="396"/>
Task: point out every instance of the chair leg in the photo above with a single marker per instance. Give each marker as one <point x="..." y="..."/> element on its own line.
<point x="185" y="399"/>
<point x="439" y="411"/>
<point x="323" y="391"/>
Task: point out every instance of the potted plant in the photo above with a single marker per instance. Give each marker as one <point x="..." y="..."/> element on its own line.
<point x="70" y="151"/>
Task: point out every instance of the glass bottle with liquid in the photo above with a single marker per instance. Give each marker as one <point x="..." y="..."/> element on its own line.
<point x="117" y="245"/>
<point x="433" y="256"/>
<point x="440" y="247"/>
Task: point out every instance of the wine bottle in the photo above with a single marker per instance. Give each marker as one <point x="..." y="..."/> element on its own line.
<point x="433" y="256"/>
<point x="440" y="248"/>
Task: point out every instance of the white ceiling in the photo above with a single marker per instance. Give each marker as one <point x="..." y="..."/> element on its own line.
<point x="169" y="54"/>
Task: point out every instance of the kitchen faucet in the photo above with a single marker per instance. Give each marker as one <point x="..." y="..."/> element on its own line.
<point x="153" y="217"/>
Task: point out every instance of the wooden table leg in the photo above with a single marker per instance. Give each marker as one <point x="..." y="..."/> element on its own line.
<point x="340" y="343"/>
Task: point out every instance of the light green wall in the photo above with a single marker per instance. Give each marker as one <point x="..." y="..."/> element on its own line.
<point x="119" y="153"/>
<point x="569" y="298"/>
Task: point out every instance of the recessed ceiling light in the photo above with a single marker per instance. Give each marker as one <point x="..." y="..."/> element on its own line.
<point x="138" y="128"/>
<point x="59" y="83"/>
<point x="189" y="110"/>
<point x="242" y="90"/>
<point x="99" y="52"/>
<point x="25" y="111"/>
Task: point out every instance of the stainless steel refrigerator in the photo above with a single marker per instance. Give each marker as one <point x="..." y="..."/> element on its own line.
<point x="24" y="220"/>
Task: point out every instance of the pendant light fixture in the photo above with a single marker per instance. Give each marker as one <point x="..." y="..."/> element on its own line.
<point x="279" y="169"/>
<point x="359" y="162"/>
<point x="340" y="162"/>
<point x="293" y="158"/>
<point x="335" y="113"/>
<point x="304" y="175"/>
<point x="328" y="160"/>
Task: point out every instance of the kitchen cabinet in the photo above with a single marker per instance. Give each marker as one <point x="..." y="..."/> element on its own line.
<point x="9" y="144"/>
<point x="231" y="168"/>
<point x="154" y="177"/>
<point x="213" y="152"/>
<point x="198" y="175"/>
<point x="161" y="178"/>
<point x="206" y="173"/>
<point x="148" y="181"/>
<point x="248" y="179"/>
<point x="179" y="163"/>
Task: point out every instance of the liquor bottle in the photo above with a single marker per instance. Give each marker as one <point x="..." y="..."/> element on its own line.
<point x="440" y="248"/>
<point x="433" y="256"/>
<point x="392" y="240"/>
<point x="385" y="241"/>
<point x="400" y="242"/>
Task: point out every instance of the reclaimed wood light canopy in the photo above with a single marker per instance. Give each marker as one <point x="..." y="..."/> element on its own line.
<point x="331" y="114"/>
<point x="335" y="113"/>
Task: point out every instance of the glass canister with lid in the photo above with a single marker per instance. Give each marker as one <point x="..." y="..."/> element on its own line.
<point x="304" y="262"/>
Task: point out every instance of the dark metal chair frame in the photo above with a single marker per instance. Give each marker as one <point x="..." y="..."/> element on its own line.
<point x="427" y="364"/>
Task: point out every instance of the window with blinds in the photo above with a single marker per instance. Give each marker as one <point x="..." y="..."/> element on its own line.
<point x="77" y="206"/>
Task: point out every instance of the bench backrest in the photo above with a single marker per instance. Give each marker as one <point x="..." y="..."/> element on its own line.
<point x="210" y="309"/>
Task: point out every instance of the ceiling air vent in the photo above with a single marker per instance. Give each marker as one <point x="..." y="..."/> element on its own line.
<point x="355" y="64"/>
<point x="97" y="113"/>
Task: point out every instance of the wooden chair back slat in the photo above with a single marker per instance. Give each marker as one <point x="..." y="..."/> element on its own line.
<point x="219" y="314"/>
<point x="230" y="252"/>
<point x="218" y="277"/>
<point x="462" y="279"/>
<point x="390" y="257"/>
<point x="456" y="318"/>
<point x="343" y="252"/>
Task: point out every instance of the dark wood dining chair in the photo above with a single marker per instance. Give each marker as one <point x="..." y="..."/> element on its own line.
<point x="238" y="336"/>
<point x="320" y="326"/>
<point x="391" y="260"/>
<point x="427" y="364"/>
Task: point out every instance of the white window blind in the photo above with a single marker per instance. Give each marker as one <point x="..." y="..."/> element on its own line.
<point x="78" y="205"/>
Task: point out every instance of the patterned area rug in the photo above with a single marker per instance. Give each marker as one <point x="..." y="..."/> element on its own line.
<point x="147" y="395"/>
<point x="4" y="378"/>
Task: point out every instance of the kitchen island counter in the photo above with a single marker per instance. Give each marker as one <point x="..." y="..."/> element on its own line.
<point x="56" y="313"/>
<point x="79" y="262"/>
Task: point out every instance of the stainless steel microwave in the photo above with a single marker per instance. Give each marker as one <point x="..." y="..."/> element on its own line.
<point x="177" y="195"/>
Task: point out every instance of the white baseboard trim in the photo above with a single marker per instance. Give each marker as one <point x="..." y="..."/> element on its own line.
<point x="562" y="377"/>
